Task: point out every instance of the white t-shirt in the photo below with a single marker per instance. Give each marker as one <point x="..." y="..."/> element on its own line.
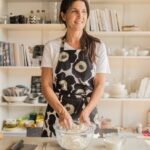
<point x="52" y="49"/>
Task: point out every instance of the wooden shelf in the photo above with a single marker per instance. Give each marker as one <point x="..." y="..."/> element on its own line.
<point x="60" y="27"/>
<point x="19" y="67"/>
<point x="17" y="131"/>
<point x="33" y="0"/>
<point x="121" y="33"/>
<point x="127" y="99"/>
<point x="110" y="57"/>
<point x="91" y="1"/>
<point x="3" y="104"/>
<point x="55" y="27"/>
<point x="23" y="104"/>
<point x="129" y="57"/>
<point x="103" y="99"/>
<point x="119" y="1"/>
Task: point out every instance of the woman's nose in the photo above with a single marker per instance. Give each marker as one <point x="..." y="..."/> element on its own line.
<point x="79" y="14"/>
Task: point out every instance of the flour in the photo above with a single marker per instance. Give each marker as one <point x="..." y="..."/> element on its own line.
<point x="75" y="138"/>
<point x="70" y="142"/>
<point x="76" y="128"/>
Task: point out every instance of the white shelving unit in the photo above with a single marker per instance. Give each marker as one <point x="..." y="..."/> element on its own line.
<point x="126" y="112"/>
<point x="127" y="69"/>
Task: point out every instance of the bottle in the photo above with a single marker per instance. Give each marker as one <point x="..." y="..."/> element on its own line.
<point x="11" y="18"/>
<point x="32" y="17"/>
<point x="5" y="19"/>
<point x="139" y="128"/>
<point x="38" y="17"/>
<point x="43" y="17"/>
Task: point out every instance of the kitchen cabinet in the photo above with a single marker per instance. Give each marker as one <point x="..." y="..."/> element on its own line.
<point x="129" y="70"/>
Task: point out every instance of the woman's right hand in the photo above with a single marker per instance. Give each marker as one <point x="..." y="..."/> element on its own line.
<point x="1" y="135"/>
<point x="65" y="120"/>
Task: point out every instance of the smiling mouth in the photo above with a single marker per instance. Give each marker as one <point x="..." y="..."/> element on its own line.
<point x="79" y="22"/>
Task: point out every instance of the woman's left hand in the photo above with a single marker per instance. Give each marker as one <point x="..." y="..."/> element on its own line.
<point x="84" y="117"/>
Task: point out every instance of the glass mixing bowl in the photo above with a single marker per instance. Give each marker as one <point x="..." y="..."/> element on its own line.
<point x="77" y="138"/>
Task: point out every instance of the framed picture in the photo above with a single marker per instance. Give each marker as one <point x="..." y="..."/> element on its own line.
<point x="36" y="84"/>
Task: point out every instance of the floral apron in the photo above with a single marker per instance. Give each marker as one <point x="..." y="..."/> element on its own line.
<point x="73" y="84"/>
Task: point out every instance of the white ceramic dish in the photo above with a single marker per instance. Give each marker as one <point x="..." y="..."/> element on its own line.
<point x="143" y="52"/>
<point x="15" y="98"/>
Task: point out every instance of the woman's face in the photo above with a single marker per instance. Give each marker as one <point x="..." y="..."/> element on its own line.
<point x="76" y="16"/>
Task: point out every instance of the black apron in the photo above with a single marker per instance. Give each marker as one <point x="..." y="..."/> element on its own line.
<point x="73" y="85"/>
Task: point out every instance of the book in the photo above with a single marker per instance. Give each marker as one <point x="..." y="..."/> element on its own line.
<point x="142" y="88"/>
<point x="1" y="54"/>
<point x="147" y="90"/>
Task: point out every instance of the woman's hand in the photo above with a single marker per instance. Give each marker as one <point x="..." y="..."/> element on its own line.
<point x="1" y="135"/>
<point x="65" y="120"/>
<point x="84" y="117"/>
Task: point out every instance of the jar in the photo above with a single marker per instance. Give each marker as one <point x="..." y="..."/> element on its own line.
<point x="106" y="123"/>
<point x="139" y="128"/>
<point x="4" y="20"/>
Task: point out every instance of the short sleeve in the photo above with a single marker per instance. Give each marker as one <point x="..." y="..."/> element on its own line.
<point x="47" y="56"/>
<point x="102" y="62"/>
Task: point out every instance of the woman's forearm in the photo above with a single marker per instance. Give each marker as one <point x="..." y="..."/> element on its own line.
<point x="47" y="90"/>
<point x="95" y="98"/>
<point x="52" y="99"/>
<point x="97" y="93"/>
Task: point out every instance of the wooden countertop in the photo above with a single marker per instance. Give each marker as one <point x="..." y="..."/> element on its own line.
<point x="96" y="144"/>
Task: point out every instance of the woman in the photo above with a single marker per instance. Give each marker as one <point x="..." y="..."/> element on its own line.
<point x="73" y="70"/>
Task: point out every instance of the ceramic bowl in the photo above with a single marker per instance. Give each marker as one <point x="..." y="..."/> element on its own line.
<point x="143" y="52"/>
<point x="116" y="89"/>
<point x="14" y="98"/>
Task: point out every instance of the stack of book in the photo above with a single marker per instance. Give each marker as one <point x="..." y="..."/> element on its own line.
<point x="103" y="20"/>
<point x="12" y="54"/>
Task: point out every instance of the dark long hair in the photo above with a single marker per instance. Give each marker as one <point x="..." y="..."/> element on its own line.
<point x="88" y="42"/>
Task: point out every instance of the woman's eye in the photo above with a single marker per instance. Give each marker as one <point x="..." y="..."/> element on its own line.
<point x="74" y="11"/>
<point x="84" y="11"/>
